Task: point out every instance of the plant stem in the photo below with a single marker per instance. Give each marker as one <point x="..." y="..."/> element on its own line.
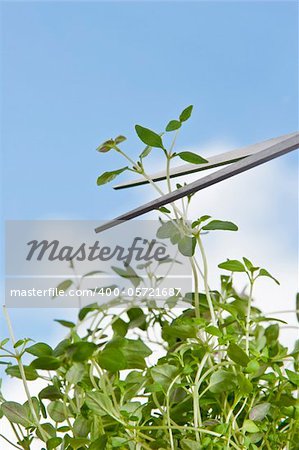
<point x="22" y="372"/>
<point x="205" y="279"/>
<point x="248" y="318"/>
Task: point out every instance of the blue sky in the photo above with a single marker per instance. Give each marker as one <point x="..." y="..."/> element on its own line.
<point x="74" y="74"/>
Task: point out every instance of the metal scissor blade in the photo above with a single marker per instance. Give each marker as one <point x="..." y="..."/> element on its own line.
<point x="273" y="151"/>
<point x="214" y="161"/>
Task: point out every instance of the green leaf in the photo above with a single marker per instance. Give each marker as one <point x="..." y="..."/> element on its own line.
<point x="99" y="444"/>
<point x="86" y="310"/>
<point x="221" y="381"/>
<point x="214" y="331"/>
<point x="53" y="443"/>
<point x="265" y="273"/>
<point x="56" y="411"/>
<point x="63" y="286"/>
<point x="250" y="427"/>
<point x="253" y="366"/>
<point x="81" y="351"/>
<point x="272" y="333"/>
<point x="120" y="327"/>
<point x="99" y="403"/>
<point x="40" y="349"/>
<point x="49" y="430"/>
<point x="187" y="444"/>
<point x="200" y="220"/>
<point x="162" y="209"/>
<point x="66" y="323"/>
<point x="164" y="374"/>
<point x="244" y="384"/>
<point x="81" y="427"/>
<point x="173" y="125"/>
<point x="16" y="413"/>
<point x="149" y="137"/>
<point x="168" y="230"/>
<point x="259" y="412"/>
<point x="145" y="152"/>
<point x="106" y="177"/>
<point x="192" y="158"/>
<point x="50" y="393"/>
<point x="75" y="373"/>
<point x="293" y="377"/>
<point x="248" y="263"/>
<point x="187" y="245"/>
<point x="46" y="363"/>
<point x="106" y="146"/>
<point x="120" y="139"/>
<point x="117" y="442"/>
<point x="186" y="113"/>
<point x="134" y="351"/>
<point x="220" y="225"/>
<point x="14" y="371"/>
<point x="112" y="360"/>
<point x="232" y="265"/>
<point x="128" y="273"/>
<point x="237" y="354"/>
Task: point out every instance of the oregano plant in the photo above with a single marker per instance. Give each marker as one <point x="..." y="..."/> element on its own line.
<point x="132" y="376"/>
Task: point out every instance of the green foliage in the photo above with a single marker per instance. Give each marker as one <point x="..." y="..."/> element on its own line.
<point x="210" y="375"/>
<point x="192" y="158"/>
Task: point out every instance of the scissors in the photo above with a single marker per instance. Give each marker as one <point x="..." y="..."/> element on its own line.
<point x="239" y="161"/>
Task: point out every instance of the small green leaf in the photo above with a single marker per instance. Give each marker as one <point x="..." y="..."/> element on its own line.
<point x="128" y="273"/>
<point x="164" y="374"/>
<point x="186" y="113"/>
<point x="247" y="263"/>
<point x="220" y="225"/>
<point x="106" y="177"/>
<point x="237" y="354"/>
<point x="149" y="137"/>
<point x="112" y="360"/>
<point x="40" y="349"/>
<point x="265" y="273"/>
<point x="192" y="158"/>
<point x="162" y="209"/>
<point x="134" y="351"/>
<point x="106" y="146"/>
<point x="250" y="427"/>
<point x="46" y="363"/>
<point x="214" y="331"/>
<point x="187" y="444"/>
<point x="75" y="373"/>
<point x="53" y="443"/>
<point x="232" y="265"/>
<point x="145" y="152"/>
<point x="120" y="139"/>
<point x="200" y="220"/>
<point x="63" y="286"/>
<point x="293" y="377"/>
<point x="221" y="381"/>
<point x="187" y="245"/>
<point x="81" y="351"/>
<point x="57" y="411"/>
<point x="16" y="413"/>
<point x="117" y="442"/>
<point x="50" y="393"/>
<point x="99" y="403"/>
<point x="14" y="371"/>
<point x="259" y="412"/>
<point x="81" y="427"/>
<point x="65" y="323"/>
<point x="173" y="125"/>
<point x="99" y="444"/>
